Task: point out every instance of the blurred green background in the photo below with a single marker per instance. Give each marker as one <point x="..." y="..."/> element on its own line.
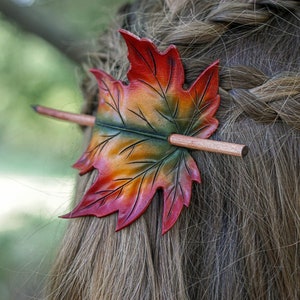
<point x="36" y="153"/>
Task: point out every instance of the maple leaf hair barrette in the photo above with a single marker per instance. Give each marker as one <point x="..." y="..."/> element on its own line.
<point x="142" y="133"/>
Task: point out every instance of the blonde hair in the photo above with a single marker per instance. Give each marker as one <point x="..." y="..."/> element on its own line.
<point x="239" y="239"/>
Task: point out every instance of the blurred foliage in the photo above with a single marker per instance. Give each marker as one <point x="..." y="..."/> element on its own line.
<point x="33" y="72"/>
<point x="88" y="17"/>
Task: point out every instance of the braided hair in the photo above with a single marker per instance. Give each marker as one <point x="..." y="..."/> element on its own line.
<point x="239" y="239"/>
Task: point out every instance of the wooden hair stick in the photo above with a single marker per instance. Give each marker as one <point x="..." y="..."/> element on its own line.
<point x="85" y="120"/>
<point x="174" y="139"/>
<point x="208" y="145"/>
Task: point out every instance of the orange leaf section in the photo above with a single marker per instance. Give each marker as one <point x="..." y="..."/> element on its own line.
<point x="129" y="147"/>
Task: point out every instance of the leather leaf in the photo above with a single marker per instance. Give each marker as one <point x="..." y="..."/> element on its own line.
<point x="129" y="147"/>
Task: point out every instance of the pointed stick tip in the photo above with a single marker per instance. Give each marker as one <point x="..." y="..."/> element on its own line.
<point x="34" y="107"/>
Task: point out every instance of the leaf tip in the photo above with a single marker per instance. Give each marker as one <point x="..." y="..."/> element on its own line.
<point x="66" y="216"/>
<point x="97" y="73"/>
<point x="215" y="63"/>
<point x="165" y="230"/>
<point x="94" y="71"/>
<point x="121" y="224"/>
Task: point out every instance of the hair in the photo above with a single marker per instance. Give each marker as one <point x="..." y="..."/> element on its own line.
<point x="239" y="239"/>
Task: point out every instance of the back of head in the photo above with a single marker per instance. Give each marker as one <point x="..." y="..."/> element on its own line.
<point x="239" y="239"/>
